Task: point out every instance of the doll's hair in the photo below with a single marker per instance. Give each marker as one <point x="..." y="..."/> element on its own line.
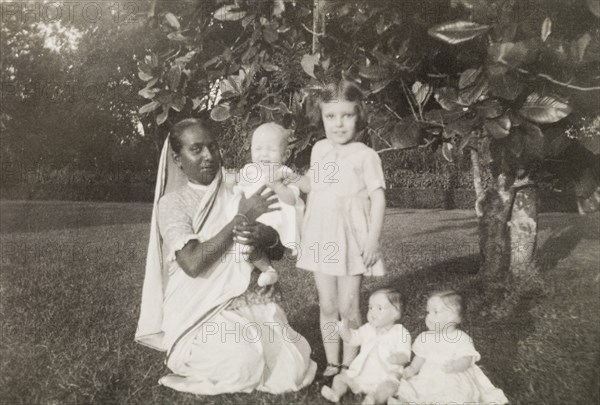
<point x="344" y="90"/>
<point x="393" y="296"/>
<point x="179" y="129"/>
<point x="452" y="300"/>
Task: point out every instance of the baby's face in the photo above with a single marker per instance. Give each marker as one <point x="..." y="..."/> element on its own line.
<point x="381" y="311"/>
<point x="267" y="147"/>
<point x="440" y="315"/>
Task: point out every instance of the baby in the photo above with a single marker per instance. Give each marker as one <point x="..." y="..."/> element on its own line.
<point x="269" y="151"/>
<point x="384" y="349"/>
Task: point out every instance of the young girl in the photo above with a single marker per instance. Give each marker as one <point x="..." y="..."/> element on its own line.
<point x="443" y="370"/>
<point x="343" y="218"/>
<point x="384" y="350"/>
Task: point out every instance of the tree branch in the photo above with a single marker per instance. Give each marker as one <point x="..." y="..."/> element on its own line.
<point x="563" y="84"/>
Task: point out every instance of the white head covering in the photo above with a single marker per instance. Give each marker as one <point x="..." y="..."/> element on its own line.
<point x="149" y="332"/>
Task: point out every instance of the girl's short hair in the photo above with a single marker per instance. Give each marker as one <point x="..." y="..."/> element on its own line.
<point x="344" y="90"/>
<point x="179" y="128"/>
<point x="393" y="296"/>
<point x="452" y="300"/>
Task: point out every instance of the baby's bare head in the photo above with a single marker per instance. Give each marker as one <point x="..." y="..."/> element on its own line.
<point x="269" y="143"/>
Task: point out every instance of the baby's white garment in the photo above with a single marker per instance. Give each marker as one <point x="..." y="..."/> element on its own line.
<point x="288" y="219"/>
<point x="432" y="385"/>
<point x="372" y="367"/>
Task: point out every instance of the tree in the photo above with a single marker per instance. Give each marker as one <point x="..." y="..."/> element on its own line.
<point x="488" y="79"/>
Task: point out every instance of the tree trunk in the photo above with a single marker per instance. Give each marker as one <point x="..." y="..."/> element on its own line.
<point x="494" y="239"/>
<point x="477" y="180"/>
<point x="318" y="24"/>
<point x="523" y="230"/>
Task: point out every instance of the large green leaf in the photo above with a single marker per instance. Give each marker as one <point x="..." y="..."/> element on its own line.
<point x="498" y="128"/>
<point x="510" y="53"/>
<point x="149" y="107"/>
<point x="474" y="92"/>
<point x="489" y="108"/>
<point x="457" y="31"/>
<point x="220" y="112"/>
<point x="406" y="134"/>
<point x="422" y="92"/>
<point x="546" y="29"/>
<point x="447" y="97"/>
<point x="544" y="109"/>
<point x="448" y="150"/>
<point x="533" y="140"/>
<point x="374" y="72"/>
<point x="172" y="20"/>
<point x="229" y="12"/>
<point x="162" y="117"/>
<point x="507" y="85"/>
<point x="308" y="64"/>
<point x="174" y="76"/>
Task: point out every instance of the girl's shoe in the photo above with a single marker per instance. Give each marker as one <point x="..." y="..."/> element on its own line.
<point x="333" y="369"/>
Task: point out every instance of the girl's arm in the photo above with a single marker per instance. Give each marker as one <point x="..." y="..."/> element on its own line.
<point x="371" y="252"/>
<point x="284" y="193"/>
<point x="414" y="368"/>
<point x="303" y="183"/>
<point x="459" y="365"/>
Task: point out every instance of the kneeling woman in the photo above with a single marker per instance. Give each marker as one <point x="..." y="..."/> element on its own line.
<point x="200" y="301"/>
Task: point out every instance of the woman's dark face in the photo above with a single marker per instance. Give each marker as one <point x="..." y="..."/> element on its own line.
<point x="199" y="157"/>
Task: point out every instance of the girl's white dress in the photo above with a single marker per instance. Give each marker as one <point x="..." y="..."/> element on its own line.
<point x="336" y="221"/>
<point x="432" y="385"/>
<point x="372" y="367"/>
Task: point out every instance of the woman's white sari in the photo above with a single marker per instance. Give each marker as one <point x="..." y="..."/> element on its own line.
<point x="211" y="347"/>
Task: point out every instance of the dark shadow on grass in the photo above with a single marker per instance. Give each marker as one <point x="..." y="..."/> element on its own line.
<point x="564" y="238"/>
<point x="37" y="216"/>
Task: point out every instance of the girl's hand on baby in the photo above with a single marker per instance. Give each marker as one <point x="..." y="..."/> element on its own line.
<point x="370" y="254"/>
<point x="285" y="175"/>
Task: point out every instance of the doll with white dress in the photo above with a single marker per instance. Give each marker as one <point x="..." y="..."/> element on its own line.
<point x="384" y="350"/>
<point x="443" y="370"/>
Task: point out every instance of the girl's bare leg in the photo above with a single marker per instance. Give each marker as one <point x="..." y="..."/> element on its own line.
<point x="348" y="297"/>
<point x="329" y="315"/>
<point x="337" y="390"/>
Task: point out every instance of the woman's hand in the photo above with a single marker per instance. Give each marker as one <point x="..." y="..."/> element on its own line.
<point x="255" y="234"/>
<point x="370" y="254"/>
<point x="257" y="204"/>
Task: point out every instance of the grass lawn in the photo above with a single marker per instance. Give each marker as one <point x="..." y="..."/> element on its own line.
<point x="70" y="288"/>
